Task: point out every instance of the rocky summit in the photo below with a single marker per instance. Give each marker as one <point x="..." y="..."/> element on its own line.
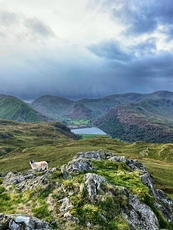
<point x="95" y="190"/>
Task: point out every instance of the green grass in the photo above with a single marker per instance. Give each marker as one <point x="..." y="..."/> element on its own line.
<point x="47" y="141"/>
<point x="12" y="108"/>
<point x="43" y="142"/>
<point x="119" y="174"/>
<point x="61" y="151"/>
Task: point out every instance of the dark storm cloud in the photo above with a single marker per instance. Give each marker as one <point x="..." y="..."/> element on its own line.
<point x="156" y="66"/>
<point x="144" y="62"/>
<point x="138" y="17"/>
<point x="114" y="51"/>
<point x="141" y="16"/>
<point x="163" y="11"/>
<point x="38" y="27"/>
<point x="145" y="66"/>
<point x="71" y="78"/>
<point x="88" y="78"/>
<point x="110" y="50"/>
<point x="72" y="61"/>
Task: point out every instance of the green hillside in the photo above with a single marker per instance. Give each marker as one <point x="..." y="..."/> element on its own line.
<point x="18" y="138"/>
<point x="12" y="108"/>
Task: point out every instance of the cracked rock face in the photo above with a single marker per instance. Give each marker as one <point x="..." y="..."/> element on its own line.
<point x="140" y="216"/>
<point x="21" y="222"/>
<point x="132" y="164"/>
<point x="81" y="162"/>
<point x="164" y="204"/>
<point x="26" y="181"/>
<point x="65" y="204"/>
<point x="79" y="165"/>
<point x="162" y="201"/>
<point x="93" y="184"/>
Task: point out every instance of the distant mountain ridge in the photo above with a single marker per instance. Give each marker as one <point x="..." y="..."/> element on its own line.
<point x="130" y="116"/>
<point x="59" y="108"/>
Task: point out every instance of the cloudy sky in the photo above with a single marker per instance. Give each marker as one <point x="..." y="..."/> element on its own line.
<point x="85" y="48"/>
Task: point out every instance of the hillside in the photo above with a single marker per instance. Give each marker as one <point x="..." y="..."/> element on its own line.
<point x="84" y="187"/>
<point x="148" y="120"/>
<point x="71" y="112"/>
<point x="52" y="106"/>
<point x="86" y="110"/>
<point x="61" y="109"/>
<point x="54" y="142"/>
<point x="82" y="112"/>
<point x="12" y="108"/>
<point x="16" y="138"/>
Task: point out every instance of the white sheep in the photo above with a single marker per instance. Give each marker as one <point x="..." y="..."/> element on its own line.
<point x="39" y="166"/>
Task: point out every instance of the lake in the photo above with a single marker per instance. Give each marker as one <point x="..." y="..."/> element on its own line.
<point x="92" y="130"/>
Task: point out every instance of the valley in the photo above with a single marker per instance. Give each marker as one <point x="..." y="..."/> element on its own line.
<point x="130" y="117"/>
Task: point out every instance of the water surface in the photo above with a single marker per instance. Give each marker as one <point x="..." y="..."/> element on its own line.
<point x="92" y="130"/>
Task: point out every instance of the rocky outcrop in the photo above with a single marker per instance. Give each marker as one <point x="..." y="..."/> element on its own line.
<point x="94" y="155"/>
<point x="93" y="184"/>
<point x="65" y="208"/>
<point x="164" y="204"/>
<point x="138" y="215"/>
<point x="21" y="222"/>
<point x="85" y="196"/>
<point x="28" y="180"/>
<point x="76" y="165"/>
<point x="161" y="201"/>
<point x="81" y="162"/>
